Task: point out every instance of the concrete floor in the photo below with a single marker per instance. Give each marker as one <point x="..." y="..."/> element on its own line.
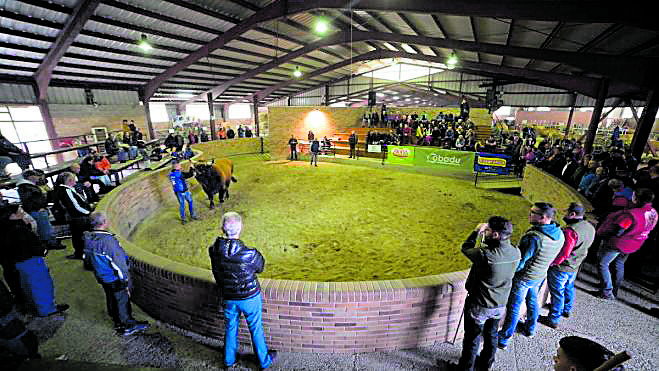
<point x="82" y="338"/>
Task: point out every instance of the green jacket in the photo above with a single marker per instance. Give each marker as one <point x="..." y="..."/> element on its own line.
<point x="491" y="274"/>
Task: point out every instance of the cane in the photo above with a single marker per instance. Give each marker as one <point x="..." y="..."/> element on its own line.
<point x="614" y="361"/>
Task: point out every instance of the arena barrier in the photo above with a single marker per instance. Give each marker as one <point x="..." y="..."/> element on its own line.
<point x="298" y="316"/>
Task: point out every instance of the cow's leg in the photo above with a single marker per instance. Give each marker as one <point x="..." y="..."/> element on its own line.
<point x="210" y="197"/>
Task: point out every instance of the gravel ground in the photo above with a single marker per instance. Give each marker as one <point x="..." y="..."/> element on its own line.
<point x="82" y="338"/>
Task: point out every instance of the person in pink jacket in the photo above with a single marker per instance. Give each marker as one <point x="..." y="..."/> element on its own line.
<point x="623" y="233"/>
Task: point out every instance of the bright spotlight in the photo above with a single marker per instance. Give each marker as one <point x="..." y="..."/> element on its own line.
<point x="321" y="26"/>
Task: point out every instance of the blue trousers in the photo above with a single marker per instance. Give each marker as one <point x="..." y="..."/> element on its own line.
<point x="182" y="197"/>
<point x="37" y="285"/>
<point x="252" y="309"/>
<point x="605" y="257"/>
<point x="118" y="305"/>
<point x="522" y="290"/>
<point x="44" y="228"/>
<point x="561" y="288"/>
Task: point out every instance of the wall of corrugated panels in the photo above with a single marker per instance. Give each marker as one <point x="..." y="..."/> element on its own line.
<point x="278" y="103"/>
<point x="309" y="98"/>
<point x="17" y="93"/>
<point x="58" y="95"/>
<point x="115" y="97"/>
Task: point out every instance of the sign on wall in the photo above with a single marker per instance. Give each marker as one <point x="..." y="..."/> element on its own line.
<point x="493" y="163"/>
<point x="452" y="161"/>
<point x="402" y="155"/>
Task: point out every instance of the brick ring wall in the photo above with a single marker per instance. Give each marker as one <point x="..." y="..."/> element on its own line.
<point x="301" y="316"/>
<point x="298" y="316"/>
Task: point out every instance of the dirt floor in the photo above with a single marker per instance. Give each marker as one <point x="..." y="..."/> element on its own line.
<point x="337" y="222"/>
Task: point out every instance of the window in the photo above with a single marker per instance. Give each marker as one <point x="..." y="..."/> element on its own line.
<point x="240" y="111"/>
<point x="158" y="112"/>
<point x="197" y="111"/>
<point x="24" y="126"/>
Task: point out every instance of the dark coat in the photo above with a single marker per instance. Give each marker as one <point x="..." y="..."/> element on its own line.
<point x="235" y="266"/>
<point x="32" y="197"/>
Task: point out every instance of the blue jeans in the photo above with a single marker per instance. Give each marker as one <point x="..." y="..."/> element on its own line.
<point x="252" y="309"/>
<point x="561" y="288"/>
<point x="37" y="285"/>
<point x="605" y="256"/>
<point x="182" y="197"/>
<point x="44" y="228"/>
<point x="522" y="290"/>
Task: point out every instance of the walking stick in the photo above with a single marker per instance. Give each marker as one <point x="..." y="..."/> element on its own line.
<point x="614" y="361"/>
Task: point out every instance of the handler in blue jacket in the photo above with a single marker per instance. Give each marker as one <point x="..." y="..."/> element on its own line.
<point x="110" y="265"/>
<point x="180" y="186"/>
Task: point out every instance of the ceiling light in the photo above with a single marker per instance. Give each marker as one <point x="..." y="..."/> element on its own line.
<point x="144" y="44"/>
<point x="297" y="73"/>
<point x="452" y="61"/>
<point x="321" y="26"/>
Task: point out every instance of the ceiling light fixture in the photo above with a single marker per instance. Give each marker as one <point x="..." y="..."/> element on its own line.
<point x="297" y="73"/>
<point x="144" y="44"/>
<point x="321" y="26"/>
<point x="452" y="61"/>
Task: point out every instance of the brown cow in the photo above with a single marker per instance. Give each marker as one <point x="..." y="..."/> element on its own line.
<point x="215" y="178"/>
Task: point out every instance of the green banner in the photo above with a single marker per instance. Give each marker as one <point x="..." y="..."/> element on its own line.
<point x="400" y="155"/>
<point x="445" y="160"/>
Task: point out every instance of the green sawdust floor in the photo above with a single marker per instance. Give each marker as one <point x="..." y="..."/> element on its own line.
<point x="337" y="222"/>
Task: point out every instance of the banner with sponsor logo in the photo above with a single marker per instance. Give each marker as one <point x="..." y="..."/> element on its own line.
<point x="445" y="160"/>
<point x="401" y="155"/>
<point x="492" y="163"/>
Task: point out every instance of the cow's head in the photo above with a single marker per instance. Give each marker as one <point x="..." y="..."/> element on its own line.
<point x="202" y="169"/>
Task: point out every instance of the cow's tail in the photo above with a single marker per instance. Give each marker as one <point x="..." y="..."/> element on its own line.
<point x="233" y="179"/>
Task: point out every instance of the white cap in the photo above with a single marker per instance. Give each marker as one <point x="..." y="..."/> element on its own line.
<point x="171" y="131"/>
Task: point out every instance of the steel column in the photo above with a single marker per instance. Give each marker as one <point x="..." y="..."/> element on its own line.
<point x="327" y="98"/>
<point x="256" y="114"/>
<point x="644" y="126"/>
<point x="597" y="112"/>
<point x="569" y="118"/>
<point x="149" y="124"/>
<point x="212" y="115"/>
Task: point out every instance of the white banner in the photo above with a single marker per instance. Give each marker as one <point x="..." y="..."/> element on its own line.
<point x="374" y="148"/>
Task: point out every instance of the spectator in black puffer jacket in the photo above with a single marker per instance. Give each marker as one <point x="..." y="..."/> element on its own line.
<point x="235" y="267"/>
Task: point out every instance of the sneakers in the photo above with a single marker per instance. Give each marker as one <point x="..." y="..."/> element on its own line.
<point x="273" y="358"/>
<point x="545" y="320"/>
<point x="195" y="218"/>
<point x="566" y="314"/>
<point x="502" y="346"/>
<point x="137" y="327"/>
<point x="183" y="221"/>
<point x="603" y="296"/>
<point x="59" y="309"/>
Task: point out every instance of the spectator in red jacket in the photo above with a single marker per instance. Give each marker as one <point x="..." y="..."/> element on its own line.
<point x="623" y="233"/>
